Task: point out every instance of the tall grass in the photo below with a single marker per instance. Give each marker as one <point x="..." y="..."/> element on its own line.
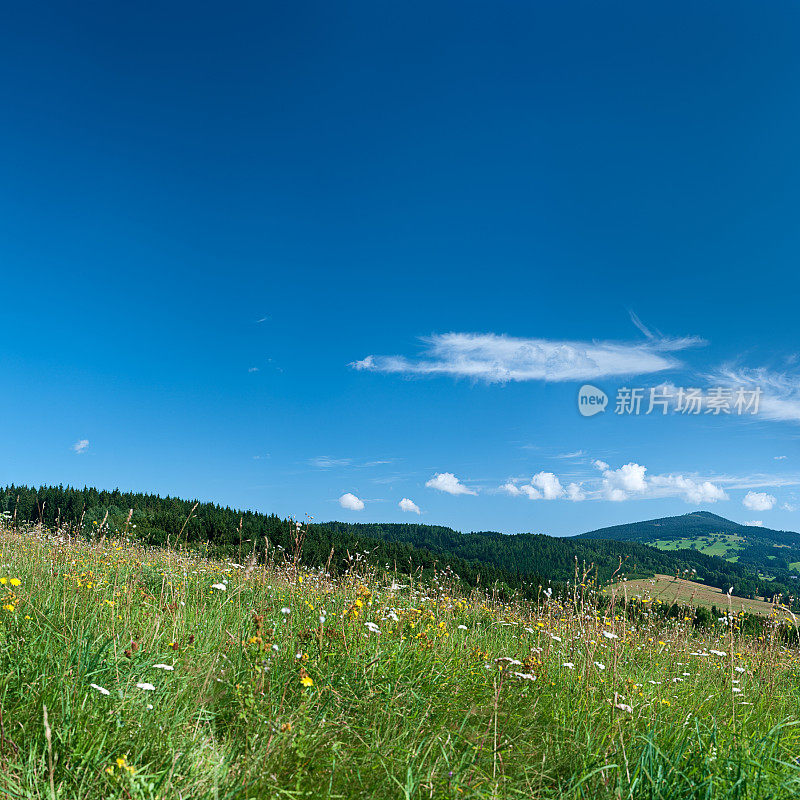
<point x="286" y="683"/>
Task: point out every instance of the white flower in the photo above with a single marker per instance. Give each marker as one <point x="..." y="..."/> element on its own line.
<point x="568" y="665"/>
<point x="371" y="626"/>
<point x="275" y="648"/>
<point x="393" y="617"/>
<point x="739" y="669"/>
<point x="149" y="706"/>
<point x="99" y="688"/>
<point x="525" y="676"/>
<point x="220" y="587"/>
<point x="599" y="665"/>
<point x="286" y="610"/>
<point x="321" y="619"/>
<point x="717" y="652"/>
<point x="148" y="687"/>
<point x="462" y="627"/>
<point x="163" y="666"/>
<point x="610" y="635"/>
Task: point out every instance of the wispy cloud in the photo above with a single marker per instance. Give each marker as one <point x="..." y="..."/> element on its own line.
<point x="81" y="446"/>
<point x="253" y="369"/>
<point x="780" y="391"/>
<point x="497" y="358"/>
<point x="326" y="462"/>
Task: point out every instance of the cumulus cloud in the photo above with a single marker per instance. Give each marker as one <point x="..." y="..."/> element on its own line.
<point x="447" y="482"/>
<point x="543" y="486"/>
<point x="756" y="523"/>
<point x="409" y="505"/>
<point x="575" y="492"/>
<point x="81" y="446"/>
<point x="631" y="481"/>
<point x="497" y="358"/>
<point x="351" y="502"/>
<point x="759" y="501"/>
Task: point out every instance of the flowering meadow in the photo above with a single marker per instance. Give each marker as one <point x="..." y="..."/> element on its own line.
<point x="128" y="672"/>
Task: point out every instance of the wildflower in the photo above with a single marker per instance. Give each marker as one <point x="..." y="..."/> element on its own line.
<point x="372" y="627"/>
<point x="568" y="665"/>
<point x="220" y="587"/>
<point x="525" y="676"/>
<point x="599" y="665"/>
<point x="99" y="688"/>
<point x="147" y="687"/>
<point x="286" y="610"/>
<point x="163" y="666"/>
<point x="122" y="763"/>
<point x="462" y="627"/>
<point x="305" y="679"/>
<point x="610" y="635"/>
<point x="8" y="607"/>
<point x="15" y="581"/>
<point x="717" y="652"/>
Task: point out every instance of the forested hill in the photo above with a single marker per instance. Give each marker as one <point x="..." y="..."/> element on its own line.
<point x="693" y="525"/>
<point x="554" y="557"/>
<point x="522" y="561"/>
<point x="773" y="555"/>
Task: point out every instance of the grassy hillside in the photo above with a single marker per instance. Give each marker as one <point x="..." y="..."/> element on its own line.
<point x="523" y="563"/>
<point x="140" y="673"/>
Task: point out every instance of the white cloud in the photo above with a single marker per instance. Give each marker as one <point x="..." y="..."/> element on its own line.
<point x="81" y="446"/>
<point x="447" y="482"/>
<point x="351" y="502"/>
<point x="780" y="391"/>
<point x="548" y="485"/>
<point x="756" y="523"/>
<point x="575" y="454"/>
<point x="253" y="369"/>
<point x="326" y="462"/>
<point x="408" y="505"/>
<point x="499" y="358"/>
<point x="575" y="492"/>
<point x="788" y="507"/>
<point x="598" y="464"/>
<point x="630" y="481"/>
<point x="758" y="501"/>
<point x="619" y="484"/>
<point x="779" y="458"/>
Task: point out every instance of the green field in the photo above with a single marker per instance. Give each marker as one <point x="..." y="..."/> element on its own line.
<point x="725" y="545"/>
<point x="142" y="674"/>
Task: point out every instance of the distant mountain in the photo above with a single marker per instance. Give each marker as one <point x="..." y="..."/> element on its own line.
<point x="775" y="555"/>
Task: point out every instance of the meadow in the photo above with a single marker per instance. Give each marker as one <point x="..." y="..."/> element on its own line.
<point x="131" y="672"/>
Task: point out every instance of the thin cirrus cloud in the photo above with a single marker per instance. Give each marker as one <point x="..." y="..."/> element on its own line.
<point x="497" y="358"/>
<point x="409" y="505"/>
<point x="448" y="483"/>
<point x="81" y="446"/>
<point x="350" y="502"/>
<point x="780" y="391"/>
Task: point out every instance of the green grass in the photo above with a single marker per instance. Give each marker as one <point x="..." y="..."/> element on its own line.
<point x="405" y="690"/>
<point x="725" y="545"/>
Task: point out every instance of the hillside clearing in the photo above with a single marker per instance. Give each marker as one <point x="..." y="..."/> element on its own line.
<point x="669" y="589"/>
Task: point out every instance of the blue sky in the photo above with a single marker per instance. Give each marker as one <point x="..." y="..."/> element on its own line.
<point x="287" y="253"/>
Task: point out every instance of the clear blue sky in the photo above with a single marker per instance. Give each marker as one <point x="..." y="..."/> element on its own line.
<point x="209" y="216"/>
